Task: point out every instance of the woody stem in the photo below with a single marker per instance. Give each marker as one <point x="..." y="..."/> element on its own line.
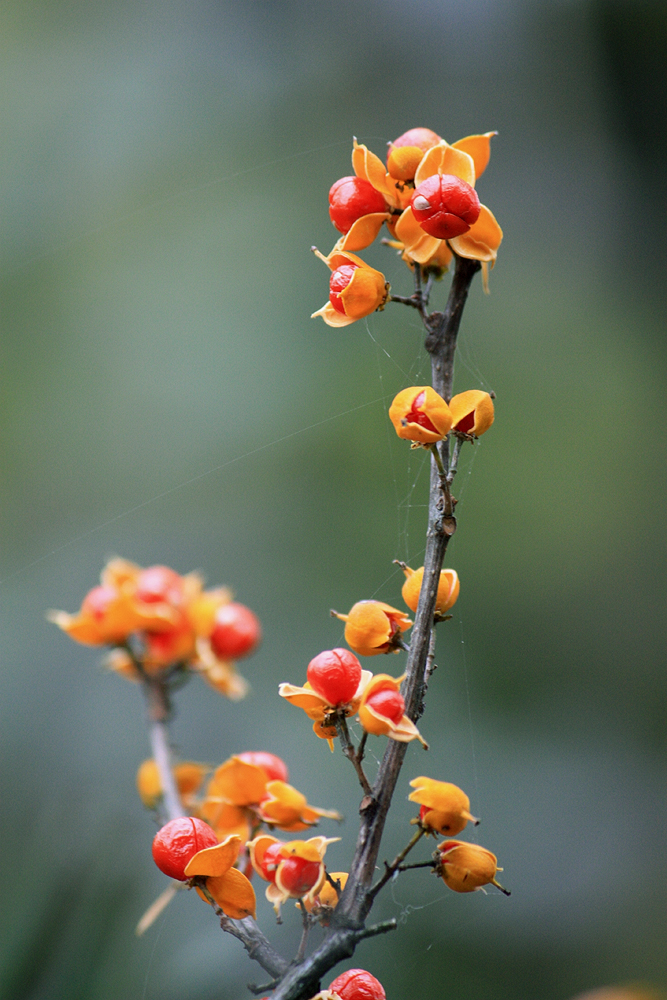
<point x="357" y="898"/>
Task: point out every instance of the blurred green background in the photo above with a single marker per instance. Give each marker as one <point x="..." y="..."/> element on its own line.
<point x="165" y="397"/>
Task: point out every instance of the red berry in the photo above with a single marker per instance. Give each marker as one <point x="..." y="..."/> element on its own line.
<point x="389" y="704"/>
<point x="97" y="600"/>
<point x="178" y="842"/>
<point x="159" y="584"/>
<point x="339" y="280"/>
<point x="445" y="206"/>
<point x="274" y="768"/>
<point x="335" y="674"/>
<point x="357" y="984"/>
<point x="270" y="861"/>
<point x="422" y="138"/>
<point x="417" y="416"/>
<point x="350" y="198"/>
<point x="297" y="875"/>
<point x="236" y="632"/>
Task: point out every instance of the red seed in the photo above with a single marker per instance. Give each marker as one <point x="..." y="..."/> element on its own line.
<point x="389" y="704"/>
<point x="339" y="280"/>
<point x="298" y="876"/>
<point x="445" y="206"/>
<point x="350" y="198"/>
<point x="159" y="584"/>
<point x="97" y="601"/>
<point x="236" y="632"/>
<point x="270" y="861"/>
<point x="417" y="416"/>
<point x="335" y="674"/>
<point x="177" y="843"/>
<point x="357" y="984"/>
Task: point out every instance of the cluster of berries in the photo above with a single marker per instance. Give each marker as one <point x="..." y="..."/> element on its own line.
<point x="189" y="849"/>
<point x="425" y="195"/>
<point x="246" y="792"/>
<point x="336" y="683"/>
<point x="157" y="621"/>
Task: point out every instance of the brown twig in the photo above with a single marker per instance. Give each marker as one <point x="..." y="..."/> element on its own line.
<point x="396" y="866"/>
<point x="351" y="754"/>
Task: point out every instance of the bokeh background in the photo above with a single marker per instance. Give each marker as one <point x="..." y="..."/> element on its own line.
<point x="165" y="397"/>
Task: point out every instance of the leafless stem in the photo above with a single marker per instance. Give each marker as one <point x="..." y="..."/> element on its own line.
<point x="351" y="753"/>
<point x="246" y="930"/>
<point x="250" y="936"/>
<point x="347" y="927"/>
<point x="298" y="958"/>
<point x="396" y="863"/>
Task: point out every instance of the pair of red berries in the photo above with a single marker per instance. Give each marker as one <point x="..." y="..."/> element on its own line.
<point x="444" y="205"/>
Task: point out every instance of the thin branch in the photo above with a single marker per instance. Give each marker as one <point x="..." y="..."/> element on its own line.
<point x="301" y="951"/>
<point x="159" y="711"/>
<point x="351" y="754"/>
<point x="347" y="924"/>
<point x="396" y="863"/>
<point x="417" y="864"/>
<point x="250" y="936"/>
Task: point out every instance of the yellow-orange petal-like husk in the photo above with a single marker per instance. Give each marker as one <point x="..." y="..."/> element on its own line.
<point x="403" y="161"/>
<point x="371" y="168"/>
<point x="433" y="407"/>
<point x="225" y="818"/>
<point x="419" y="246"/>
<point x="466" y="867"/>
<point x="238" y="783"/>
<point x="327" y="895"/>
<point x="288" y="809"/>
<point x="331" y="316"/>
<point x="312" y="849"/>
<point x="479" y="148"/>
<point x="445" y="159"/>
<point x="476" y="402"/>
<point x="448" y="805"/>
<point x="118" y="572"/>
<point x="257" y="848"/>
<point x="366" y="291"/>
<point x="188" y="775"/>
<point x="201" y="610"/>
<point x="233" y="893"/>
<point x="448" y="589"/>
<point x="482" y="240"/>
<point x="363" y="231"/>
<point x="371" y="627"/>
<point x="220" y="674"/>
<point x="214" y="860"/>
<point x="313" y="704"/>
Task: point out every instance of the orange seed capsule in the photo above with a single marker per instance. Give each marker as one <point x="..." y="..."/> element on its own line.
<point x="420" y="414"/>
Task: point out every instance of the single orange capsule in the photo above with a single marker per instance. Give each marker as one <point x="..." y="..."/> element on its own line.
<point x="355" y="289"/>
<point x="372" y="627"/>
<point x="448" y="588"/>
<point x="420" y="414"/>
<point x="445" y="808"/>
<point x="467" y="867"/>
<point x="472" y="412"/>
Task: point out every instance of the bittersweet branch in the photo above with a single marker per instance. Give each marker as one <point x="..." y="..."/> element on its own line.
<point x="248" y="933"/>
<point x="347" y="927"/>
